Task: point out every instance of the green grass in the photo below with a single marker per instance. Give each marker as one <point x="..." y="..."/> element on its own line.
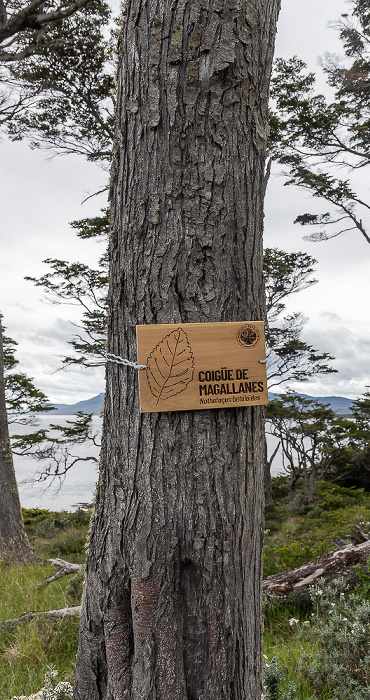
<point x="27" y="650"/>
<point x="302" y="527"/>
<point x="299" y="528"/>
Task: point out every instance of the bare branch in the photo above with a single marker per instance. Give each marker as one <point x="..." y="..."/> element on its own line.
<point x="54" y="614"/>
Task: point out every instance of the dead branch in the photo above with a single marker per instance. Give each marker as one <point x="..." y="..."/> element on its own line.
<point x="330" y="566"/>
<point x="53" y="614"/>
<point x="65" y="568"/>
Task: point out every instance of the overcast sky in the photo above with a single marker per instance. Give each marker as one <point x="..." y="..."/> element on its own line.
<point x="39" y="197"/>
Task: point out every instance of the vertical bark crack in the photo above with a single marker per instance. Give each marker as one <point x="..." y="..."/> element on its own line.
<point x="195" y="631"/>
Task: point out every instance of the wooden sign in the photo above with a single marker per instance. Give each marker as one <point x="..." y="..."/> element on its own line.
<point x="192" y="366"/>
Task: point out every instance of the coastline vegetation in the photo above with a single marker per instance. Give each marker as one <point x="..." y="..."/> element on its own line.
<point x="304" y="643"/>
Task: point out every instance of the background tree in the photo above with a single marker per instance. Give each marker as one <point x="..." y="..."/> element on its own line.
<point x="62" y="100"/>
<point x="53" y="447"/>
<point x="25" y="30"/>
<point x="14" y="545"/>
<point x="70" y="90"/>
<point x="314" y="137"/>
<point x="164" y="611"/>
<point x="305" y="429"/>
<point x="289" y="358"/>
<point x="317" y="444"/>
<point x="351" y="463"/>
<point x="23" y="399"/>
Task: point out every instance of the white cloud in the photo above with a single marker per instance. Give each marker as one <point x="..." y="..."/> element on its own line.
<point x="40" y="197"/>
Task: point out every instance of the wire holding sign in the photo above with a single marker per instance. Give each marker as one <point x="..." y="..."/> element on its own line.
<point x="193" y="366"/>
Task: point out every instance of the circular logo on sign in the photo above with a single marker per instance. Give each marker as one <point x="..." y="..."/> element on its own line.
<point x="248" y="336"/>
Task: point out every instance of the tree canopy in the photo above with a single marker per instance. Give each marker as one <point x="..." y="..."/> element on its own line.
<point x="289" y="358"/>
<point x="318" y="140"/>
<point x="26" y="30"/>
<point x="23" y="399"/>
<point x="318" y="444"/>
<point x="61" y="98"/>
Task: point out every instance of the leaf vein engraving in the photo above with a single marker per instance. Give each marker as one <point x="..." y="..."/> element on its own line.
<point x="165" y="378"/>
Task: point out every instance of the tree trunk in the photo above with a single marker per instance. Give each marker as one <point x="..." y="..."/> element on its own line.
<point x="267" y="472"/>
<point x="172" y="603"/>
<point x="14" y="545"/>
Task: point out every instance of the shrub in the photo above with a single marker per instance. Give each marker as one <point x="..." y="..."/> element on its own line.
<point x="341" y="623"/>
<point x="52" y="690"/>
<point x="272" y="678"/>
<point x="334" y="650"/>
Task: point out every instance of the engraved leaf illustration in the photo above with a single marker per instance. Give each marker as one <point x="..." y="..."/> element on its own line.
<point x="170" y="366"/>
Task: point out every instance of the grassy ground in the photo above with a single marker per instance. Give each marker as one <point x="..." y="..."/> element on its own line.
<point x="297" y="530"/>
<point x="27" y="650"/>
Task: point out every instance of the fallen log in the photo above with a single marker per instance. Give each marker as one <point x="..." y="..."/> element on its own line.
<point x="330" y="566"/>
<point x="65" y="568"/>
<point x="61" y="612"/>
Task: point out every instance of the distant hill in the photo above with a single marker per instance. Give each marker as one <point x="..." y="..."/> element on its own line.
<point x="338" y="403"/>
<point x="93" y="405"/>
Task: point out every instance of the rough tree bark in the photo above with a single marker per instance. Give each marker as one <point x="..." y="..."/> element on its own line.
<point x="172" y="603"/>
<point x="14" y="545"/>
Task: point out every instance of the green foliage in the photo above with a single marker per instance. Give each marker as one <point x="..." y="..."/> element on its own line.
<point x="27" y="650"/>
<point x="301" y="526"/>
<point x="317" y="444"/>
<point x="272" y="679"/>
<point x="63" y="99"/>
<point x="288" y="356"/>
<point x="76" y="283"/>
<point x="326" y="651"/>
<point x="58" y="533"/>
<point x="70" y="545"/>
<point x="341" y="624"/>
<point x="301" y="669"/>
<point x="312" y="137"/>
<point x="287" y="557"/>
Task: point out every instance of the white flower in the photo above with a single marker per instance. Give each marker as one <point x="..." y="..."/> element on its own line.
<point x="293" y="621"/>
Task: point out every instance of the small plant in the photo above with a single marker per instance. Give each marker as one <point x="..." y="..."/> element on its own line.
<point x="52" y="690"/>
<point x="272" y="678"/>
<point x="341" y="624"/>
